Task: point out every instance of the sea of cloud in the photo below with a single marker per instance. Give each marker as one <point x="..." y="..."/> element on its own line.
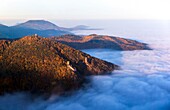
<point x="143" y="83"/>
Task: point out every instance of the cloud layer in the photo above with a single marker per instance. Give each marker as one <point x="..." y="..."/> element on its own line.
<point x="142" y="84"/>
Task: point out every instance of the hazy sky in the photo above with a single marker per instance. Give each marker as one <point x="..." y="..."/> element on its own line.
<point x="85" y="9"/>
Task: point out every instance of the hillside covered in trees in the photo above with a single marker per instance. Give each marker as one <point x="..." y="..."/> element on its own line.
<point x="38" y="64"/>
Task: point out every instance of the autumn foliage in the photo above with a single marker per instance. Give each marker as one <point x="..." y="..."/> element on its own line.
<point x="39" y="64"/>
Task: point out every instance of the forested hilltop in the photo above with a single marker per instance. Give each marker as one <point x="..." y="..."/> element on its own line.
<point x="38" y="64"/>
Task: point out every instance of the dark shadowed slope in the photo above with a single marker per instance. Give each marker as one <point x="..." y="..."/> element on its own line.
<point x="100" y="41"/>
<point x="38" y="64"/>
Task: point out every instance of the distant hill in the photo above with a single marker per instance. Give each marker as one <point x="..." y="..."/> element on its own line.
<point x="4" y="26"/>
<point x="39" y="64"/>
<point x="100" y="41"/>
<point x="39" y="25"/>
<point x="19" y="31"/>
<point x="46" y="25"/>
<point x="4" y="31"/>
<point x="82" y="27"/>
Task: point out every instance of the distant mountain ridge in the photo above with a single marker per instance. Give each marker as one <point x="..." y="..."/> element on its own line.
<point x="41" y="27"/>
<point x="46" y="25"/>
<point x="94" y="41"/>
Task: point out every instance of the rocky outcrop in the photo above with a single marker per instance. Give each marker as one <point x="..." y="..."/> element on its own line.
<point x="100" y="41"/>
<point x="39" y="64"/>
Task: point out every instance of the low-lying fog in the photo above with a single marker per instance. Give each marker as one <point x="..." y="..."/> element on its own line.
<point x="142" y="84"/>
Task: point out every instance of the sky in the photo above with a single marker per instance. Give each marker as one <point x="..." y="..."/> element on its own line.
<point x="84" y="9"/>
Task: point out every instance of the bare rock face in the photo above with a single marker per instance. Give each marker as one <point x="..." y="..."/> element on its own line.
<point x="100" y="41"/>
<point x="39" y="64"/>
